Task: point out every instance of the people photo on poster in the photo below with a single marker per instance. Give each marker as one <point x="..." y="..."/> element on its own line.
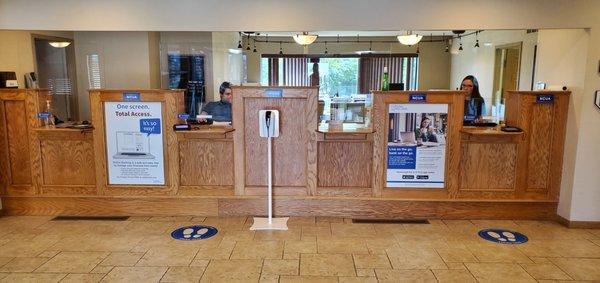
<point x="416" y="151"/>
<point x="134" y="143"/>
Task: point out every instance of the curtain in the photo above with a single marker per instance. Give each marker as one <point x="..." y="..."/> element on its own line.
<point x="399" y="70"/>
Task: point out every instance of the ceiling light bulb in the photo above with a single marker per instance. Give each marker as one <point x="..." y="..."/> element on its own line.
<point x="305" y="38"/>
<point x="59" y="44"/>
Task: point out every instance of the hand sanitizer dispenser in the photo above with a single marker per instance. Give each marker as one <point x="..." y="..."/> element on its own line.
<point x="268" y="123"/>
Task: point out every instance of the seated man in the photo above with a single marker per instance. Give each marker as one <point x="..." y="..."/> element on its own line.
<point x="220" y="110"/>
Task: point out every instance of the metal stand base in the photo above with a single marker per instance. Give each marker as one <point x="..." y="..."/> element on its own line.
<point x="262" y="223"/>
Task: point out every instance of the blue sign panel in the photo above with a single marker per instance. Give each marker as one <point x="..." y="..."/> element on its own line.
<point x="150" y="126"/>
<point x="544" y="98"/>
<point x="503" y="236"/>
<point x="419" y="97"/>
<point x="43" y="115"/>
<point x="183" y="116"/>
<point x="274" y="92"/>
<point x="196" y="232"/>
<point x="402" y="157"/>
<point x="131" y="96"/>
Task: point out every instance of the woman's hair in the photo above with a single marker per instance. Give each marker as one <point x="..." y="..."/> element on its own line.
<point x="475" y="93"/>
<point x="426" y="118"/>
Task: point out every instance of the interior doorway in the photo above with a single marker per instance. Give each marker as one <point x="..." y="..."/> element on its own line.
<point x="507" y="66"/>
<point x="55" y="70"/>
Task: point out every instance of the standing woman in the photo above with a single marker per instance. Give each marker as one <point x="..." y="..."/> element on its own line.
<point x="474" y="103"/>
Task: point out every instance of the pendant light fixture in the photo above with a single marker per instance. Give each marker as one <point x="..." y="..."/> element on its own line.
<point x="477" y="39"/>
<point x="280" y="50"/>
<point x="254" y="46"/>
<point x="240" y="41"/>
<point x="305" y="38"/>
<point x="418" y="48"/>
<point x="460" y="43"/>
<point x="248" y="42"/>
<point x="325" y="47"/>
<point x="59" y="44"/>
<point x="447" y="48"/>
<point x="409" y="38"/>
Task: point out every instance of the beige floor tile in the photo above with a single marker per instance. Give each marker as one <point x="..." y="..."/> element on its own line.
<point x="135" y="274"/>
<point x="183" y="274"/>
<point x="33" y="277"/>
<point x="170" y="218"/>
<point x="48" y="254"/>
<point x="456" y="265"/>
<point x="319" y="231"/>
<point x="327" y="265"/>
<point x="579" y="268"/>
<point x="499" y="253"/>
<point x="371" y="261"/>
<point x="268" y="235"/>
<point x="498" y="272"/>
<point x="346" y="246"/>
<point x="356" y="279"/>
<point x="489" y="224"/>
<point x="23" y="264"/>
<point x="235" y="270"/>
<point x="122" y="259"/>
<point x="82" y="278"/>
<point x="454" y="276"/>
<point x="73" y="262"/>
<point x="545" y="271"/>
<point x="456" y="255"/>
<point x="574" y="248"/>
<point x="281" y="266"/>
<point x="353" y="230"/>
<point x="108" y="243"/>
<point x="27" y="247"/>
<point x="308" y="279"/>
<point x="365" y="272"/>
<point x="392" y="275"/>
<point x="258" y="250"/>
<point x="296" y="221"/>
<point x="221" y="251"/>
<point x="3" y="274"/>
<point x="5" y="260"/>
<point x="379" y="245"/>
<point x="415" y="258"/>
<point x="102" y="269"/>
<point x="200" y="262"/>
<point x="268" y="278"/>
<point x="292" y="249"/>
<point x="168" y="257"/>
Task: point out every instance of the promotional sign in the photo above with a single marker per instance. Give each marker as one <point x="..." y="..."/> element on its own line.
<point x="419" y="97"/>
<point x="196" y="232"/>
<point x="131" y="96"/>
<point x="503" y="236"/>
<point x="416" y="151"/>
<point x="134" y="143"/>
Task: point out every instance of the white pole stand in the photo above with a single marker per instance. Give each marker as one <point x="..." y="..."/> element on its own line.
<point x="269" y="223"/>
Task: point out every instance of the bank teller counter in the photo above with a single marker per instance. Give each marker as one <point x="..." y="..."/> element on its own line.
<point x="518" y="165"/>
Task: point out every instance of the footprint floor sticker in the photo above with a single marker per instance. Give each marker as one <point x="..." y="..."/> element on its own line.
<point x="503" y="236"/>
<point x="197" y="232"/>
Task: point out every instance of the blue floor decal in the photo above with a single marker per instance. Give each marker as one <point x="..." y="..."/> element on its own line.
<point x="503" y="236"/>
<point x="196" y="232"/>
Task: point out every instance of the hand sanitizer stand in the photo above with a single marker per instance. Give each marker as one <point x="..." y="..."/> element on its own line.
<point x="269" y="128"/>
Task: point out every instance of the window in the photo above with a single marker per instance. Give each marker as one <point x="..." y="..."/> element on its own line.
<point x="340" y="75"/>
<point x="93" y="66"/>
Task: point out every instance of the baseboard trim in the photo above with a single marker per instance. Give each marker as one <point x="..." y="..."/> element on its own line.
<point x="578" y="224"/>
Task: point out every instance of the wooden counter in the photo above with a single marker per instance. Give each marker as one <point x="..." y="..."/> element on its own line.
<point x="318" y="171"/>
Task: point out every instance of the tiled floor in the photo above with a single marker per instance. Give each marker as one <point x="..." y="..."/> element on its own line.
<point x="36" y="249"/>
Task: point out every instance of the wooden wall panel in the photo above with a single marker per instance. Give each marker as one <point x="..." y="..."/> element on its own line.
<point x="540" y="141"/>
<point x="289" y="149"/>
<point x="18" y="143"/>
<point x="344" y="164"/>
<point x="488" y="166"/>
<point x="4" y="165"/>
<point x="206" y="162"/>
<point x="67" y="162"/>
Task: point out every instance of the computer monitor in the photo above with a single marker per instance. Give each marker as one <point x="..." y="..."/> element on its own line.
<point x="396" y="86"/>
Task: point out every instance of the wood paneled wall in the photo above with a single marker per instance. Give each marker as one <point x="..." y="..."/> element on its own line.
<point x="294" y="151"/>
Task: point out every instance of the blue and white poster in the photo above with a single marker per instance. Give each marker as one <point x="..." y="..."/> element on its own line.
<point x="416" y="151"/>
<point x="134" y="143"/>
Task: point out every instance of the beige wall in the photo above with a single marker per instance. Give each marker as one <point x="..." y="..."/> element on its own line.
<point x="124" y="62"/>
<point x="479" y="62"/>
<point x="227" y="65"/>
<point x="434" y="63"/>
<point x="17" y="51"/>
